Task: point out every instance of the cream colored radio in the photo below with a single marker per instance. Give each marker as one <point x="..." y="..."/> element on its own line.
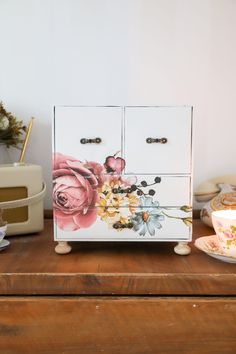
<point x="21" y="197"/>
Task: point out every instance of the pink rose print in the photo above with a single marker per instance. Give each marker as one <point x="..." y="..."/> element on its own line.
<point x="114" y="164"/>
<point x="228" y="234"/>
<point x="97" y="170"/>
<point x="74" y="192"/>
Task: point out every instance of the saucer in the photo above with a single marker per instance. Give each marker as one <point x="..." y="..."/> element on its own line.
<point x="3" y="244"/>
<point x="210" y="245"/>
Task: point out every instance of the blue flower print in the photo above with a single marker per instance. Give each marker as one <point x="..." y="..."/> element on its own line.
<point x="147" y="220"/>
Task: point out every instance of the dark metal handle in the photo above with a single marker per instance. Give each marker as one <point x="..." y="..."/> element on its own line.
<point x="156" y="140"/>
<point x="118" y="225"/>
<point x="91" y="141"/>
<point x="120" y="190"/>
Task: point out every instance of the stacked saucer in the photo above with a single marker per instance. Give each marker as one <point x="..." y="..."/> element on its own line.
<point x="211" y="246"/>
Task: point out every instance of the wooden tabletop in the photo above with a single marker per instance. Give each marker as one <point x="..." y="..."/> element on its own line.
<point x="31" y="267"/>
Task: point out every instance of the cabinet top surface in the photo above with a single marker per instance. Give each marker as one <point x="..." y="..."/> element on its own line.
<point x="35" y="254"/>
<point x="124" y="106"/>
<point x="30" y="265"/>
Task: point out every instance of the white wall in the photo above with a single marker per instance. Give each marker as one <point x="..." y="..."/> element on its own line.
<point x="95" y="52"/>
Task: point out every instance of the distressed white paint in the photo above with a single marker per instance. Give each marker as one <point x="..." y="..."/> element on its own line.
<point x="125" y="127"/>
<point x="73" y="124"/>
<point x="172" y="230"/>
<point x="172" y="123"/>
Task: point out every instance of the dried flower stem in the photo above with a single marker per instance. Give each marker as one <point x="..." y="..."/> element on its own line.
<point x="11" y="129"/>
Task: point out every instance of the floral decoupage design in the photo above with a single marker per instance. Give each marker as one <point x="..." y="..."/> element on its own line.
<point x="86" y="191"/>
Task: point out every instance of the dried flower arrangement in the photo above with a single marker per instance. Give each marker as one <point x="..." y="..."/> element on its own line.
<point x="11" y="129"/>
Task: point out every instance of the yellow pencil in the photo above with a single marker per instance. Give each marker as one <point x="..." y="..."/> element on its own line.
<point x="22" y="156"/>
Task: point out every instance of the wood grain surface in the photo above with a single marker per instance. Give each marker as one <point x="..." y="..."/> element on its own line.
<point x="117" y="325"/>
<point x="30" y="266"/>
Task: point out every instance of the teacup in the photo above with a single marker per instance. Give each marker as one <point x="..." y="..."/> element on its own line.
<point x="3" y="230"/>
<point x="224" y="223"/>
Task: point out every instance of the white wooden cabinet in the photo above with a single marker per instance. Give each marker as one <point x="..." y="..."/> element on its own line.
<point x="122" y="174"/>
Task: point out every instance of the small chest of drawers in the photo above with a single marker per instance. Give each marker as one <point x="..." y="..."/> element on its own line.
<point x="122" y="174"/>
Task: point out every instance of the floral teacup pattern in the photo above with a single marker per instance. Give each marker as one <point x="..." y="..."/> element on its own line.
<point x="225" y="230"/>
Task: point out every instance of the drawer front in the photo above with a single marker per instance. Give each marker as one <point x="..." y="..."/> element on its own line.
<point x="72" y="124"/>
<point x="172" y="155"/>
<point x="130" y="190"/>
<point x="124" y="224"/>
<point x="76" y="194"/>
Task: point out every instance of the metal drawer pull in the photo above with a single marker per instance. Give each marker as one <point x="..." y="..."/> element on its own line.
<point x="118" y="225"/>
<point x="156" y="140"/>
<point x="120" y="190"/>
<point x="91" y="141"/>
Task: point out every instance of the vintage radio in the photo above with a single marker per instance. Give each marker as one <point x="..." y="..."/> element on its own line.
<point x="21" y="197"/>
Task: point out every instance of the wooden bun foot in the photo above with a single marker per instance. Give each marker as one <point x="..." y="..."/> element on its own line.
<point x="62" y="248"/>
<point x="182" y="249"/>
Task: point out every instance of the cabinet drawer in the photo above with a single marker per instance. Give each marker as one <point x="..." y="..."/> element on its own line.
<point x="75" y="193"/>
<point x="170" y="123"/>
<point x="125" y="191"/>
<point x="124" y="224"/>
<point x="71" y="124"/>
